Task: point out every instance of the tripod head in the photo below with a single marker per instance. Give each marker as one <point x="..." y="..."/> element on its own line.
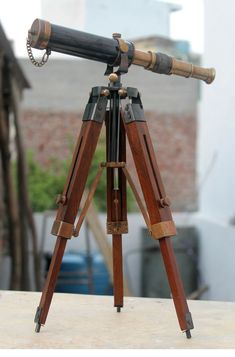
<point x="115" y="52"/>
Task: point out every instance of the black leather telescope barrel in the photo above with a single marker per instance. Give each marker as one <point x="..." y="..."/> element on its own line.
<point x="43" y="35"/>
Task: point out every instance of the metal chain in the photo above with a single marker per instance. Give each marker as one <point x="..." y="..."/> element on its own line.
<point x="31" y="56"/>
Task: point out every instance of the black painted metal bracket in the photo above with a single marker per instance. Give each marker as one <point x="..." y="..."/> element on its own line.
<point x="96" y="106"/>
<point x="134" y="110"/>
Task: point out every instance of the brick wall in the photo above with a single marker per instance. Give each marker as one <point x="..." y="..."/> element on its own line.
<point x="51" y="134"/>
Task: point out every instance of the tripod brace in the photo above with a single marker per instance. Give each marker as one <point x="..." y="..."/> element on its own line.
<point x="104" y="105"/>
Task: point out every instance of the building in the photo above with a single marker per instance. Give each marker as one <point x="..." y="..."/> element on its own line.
<point x="105" y="17"/>
<point x="216" y="173"/>
<point x="16" y="221"/>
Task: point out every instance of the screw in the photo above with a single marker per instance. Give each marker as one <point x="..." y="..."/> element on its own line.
<point x="60" y="199"/>
<point x="116" y="35"/>
<point x="165" y="202"/>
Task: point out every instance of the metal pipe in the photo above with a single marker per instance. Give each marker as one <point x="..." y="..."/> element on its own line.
<point x="44" y="35"/>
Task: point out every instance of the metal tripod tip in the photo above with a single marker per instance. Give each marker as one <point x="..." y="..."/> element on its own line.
<point x="188" y="333"/>
<point x="38" y="326"/>
<point x="119" y="309"/>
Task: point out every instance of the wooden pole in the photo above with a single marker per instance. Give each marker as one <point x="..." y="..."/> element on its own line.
<point x="24" y="203"/>
<point x="101" y="240"/>
<point x="9" y="193"/>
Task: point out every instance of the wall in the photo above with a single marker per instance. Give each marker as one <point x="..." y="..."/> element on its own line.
<point x="217" y="125"/>
<point x="63" y="85"/>
<point x="216" y="259"/>
<point x="216" y="148"/>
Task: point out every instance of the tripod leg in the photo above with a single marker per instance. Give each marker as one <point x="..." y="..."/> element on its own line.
<point x="117" y="271"/>
<point x="49" y="287"/>
<point x="162" y="226"/>
<point x="176" y="285"/>
<point x="116" y="224"/>
<point x="117" y="212"/>
<point x="69" y="201"/>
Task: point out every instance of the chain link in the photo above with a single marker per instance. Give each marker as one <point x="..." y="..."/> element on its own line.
<point x="31" y="56"/>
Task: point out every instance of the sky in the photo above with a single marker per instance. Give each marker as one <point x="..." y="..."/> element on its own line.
<point x="188" y="24"/>
<point x="16" y="17"/>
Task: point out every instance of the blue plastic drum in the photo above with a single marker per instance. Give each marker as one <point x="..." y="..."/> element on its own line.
<point x="80" y="274"/>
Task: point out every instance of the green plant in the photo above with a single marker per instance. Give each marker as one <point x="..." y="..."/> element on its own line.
<point x="44" y="184"/>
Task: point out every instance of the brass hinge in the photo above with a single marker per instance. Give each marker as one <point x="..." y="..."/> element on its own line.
<point x="62" y="229"/>
<point x="163" y="229"/>
<point x="120" y="227"/>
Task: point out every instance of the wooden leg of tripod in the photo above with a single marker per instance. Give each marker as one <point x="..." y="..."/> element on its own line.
<point x="69" y="203"/>
<point x="50" y="283"/>
<point x="117" y="214"/>
<point x="116" y="225"/>
<point x="113" y="211"/>
<point x="162" y="226"/>
<point x="176" y="285"/>
<point x="117" y="271"/>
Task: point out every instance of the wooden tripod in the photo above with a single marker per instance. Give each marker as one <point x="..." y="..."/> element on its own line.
<point x="158" y="218"/>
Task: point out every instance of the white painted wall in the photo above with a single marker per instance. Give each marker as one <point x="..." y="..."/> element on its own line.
<point x="216" y="259"/>
<point x="216" y="148"/>
<point x="216" y="167"/>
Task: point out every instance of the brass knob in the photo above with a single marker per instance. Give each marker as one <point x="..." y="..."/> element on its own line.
<point x="113" y="77"/>
<point x="105" y="92"/>
<point x="122" y="92"/>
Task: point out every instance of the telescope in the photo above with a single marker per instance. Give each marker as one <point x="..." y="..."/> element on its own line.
<point x="105" y="106"/>
<point x="112" y="51"/>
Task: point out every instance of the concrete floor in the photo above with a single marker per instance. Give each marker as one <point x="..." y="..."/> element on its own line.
<point x="84" y="321"/>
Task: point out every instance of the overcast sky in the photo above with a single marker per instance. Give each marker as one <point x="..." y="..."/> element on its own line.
<point x="188" y="24"/>
<point x="16" y="17"/>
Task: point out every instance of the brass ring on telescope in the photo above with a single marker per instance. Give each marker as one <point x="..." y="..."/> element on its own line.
<point x="39" y="34"/>
<point x="152" y="62"/>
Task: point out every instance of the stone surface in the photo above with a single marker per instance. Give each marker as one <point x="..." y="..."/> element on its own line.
<point x="83" y="321"/>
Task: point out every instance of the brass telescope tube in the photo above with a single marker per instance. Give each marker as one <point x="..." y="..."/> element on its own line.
<point x="43" y="35"/>
<point x="164" y="64"/>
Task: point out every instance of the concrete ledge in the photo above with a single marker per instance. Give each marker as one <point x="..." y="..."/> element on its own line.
<point x="84" y="321"/>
